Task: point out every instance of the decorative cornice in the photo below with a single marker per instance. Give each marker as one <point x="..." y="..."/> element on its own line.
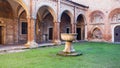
<point x="78" y="4"/>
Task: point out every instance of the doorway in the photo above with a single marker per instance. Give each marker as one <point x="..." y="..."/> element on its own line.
<point x="50" y="33"/>
<point x="78" y="33"/>
<point x="80" y="29"/>
<point x="68" y="30"/>
<point x="117" y="34"/>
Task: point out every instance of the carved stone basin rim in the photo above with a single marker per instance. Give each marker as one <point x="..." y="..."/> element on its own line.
<point x="68" y="36"/>
<point x="68" y="50"/>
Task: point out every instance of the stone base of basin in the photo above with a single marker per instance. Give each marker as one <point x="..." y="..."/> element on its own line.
<point x="61" y="53"/>
<point x="68" y="50"/>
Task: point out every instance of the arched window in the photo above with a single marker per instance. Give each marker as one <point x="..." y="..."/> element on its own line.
<point x="116" y="18"/>
<point x="97" y="17"/>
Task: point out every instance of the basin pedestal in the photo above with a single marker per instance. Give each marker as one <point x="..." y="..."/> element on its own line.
<point x="68" y="50"/>
<point x="68" y="47"/>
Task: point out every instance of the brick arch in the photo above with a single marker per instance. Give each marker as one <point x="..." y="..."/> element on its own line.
<point x="98" y="29"/>
<point x="6" y="10"/>
<point x="84" y="19"/>
<point x="22" y="14"/>
<point x="113" y="13"/>
<point x="46" y="8"/>
<point x="65" y="22"/>
<point x="20" y="10"/>
<point x="49" y="8"/>
<point x="96" y="13"/>
<point x="23" y="5"/>
<point x="97" y="33"/>
<point x="45" y="20"/>
<point x="80" y="27"/>
<point x="69" y="14"/>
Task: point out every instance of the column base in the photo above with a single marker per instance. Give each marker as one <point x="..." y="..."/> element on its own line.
<point x="61" y="53"/>
<point x="31" y="44"/>
<point x="57" y="42"/>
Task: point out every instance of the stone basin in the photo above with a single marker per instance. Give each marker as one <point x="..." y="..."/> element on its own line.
<point x="68" y="50"/>
<point x="68" y="37"/>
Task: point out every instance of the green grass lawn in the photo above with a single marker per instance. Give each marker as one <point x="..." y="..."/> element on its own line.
<point x="95" y="55"/>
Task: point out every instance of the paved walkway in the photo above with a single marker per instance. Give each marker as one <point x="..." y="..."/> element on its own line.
<point x="18" y="48"/>
<point x="11" y="48"/>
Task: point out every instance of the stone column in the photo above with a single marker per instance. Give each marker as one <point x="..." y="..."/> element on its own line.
<point x="74" y="30"/>
<point x="57" y="33"/>
<point x="73" y="27"/>
<point x="31" y="43"/>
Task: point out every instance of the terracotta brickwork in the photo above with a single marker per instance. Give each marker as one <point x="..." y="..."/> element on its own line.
<point x="32" y="22"/>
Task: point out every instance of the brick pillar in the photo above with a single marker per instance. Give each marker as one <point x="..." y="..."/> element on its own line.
<point x="74" y="30"/>
<point x="73" y="27"/>
<point x="31" y="43"/>
<point x="57" y="33"/>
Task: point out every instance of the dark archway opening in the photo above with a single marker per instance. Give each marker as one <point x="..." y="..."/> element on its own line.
<point x="80" y="28"/>
<point x="65" y="25"/>
<point x="44" y="25"/>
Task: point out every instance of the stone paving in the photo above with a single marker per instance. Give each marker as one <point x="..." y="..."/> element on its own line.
<point x="11" y="48"/>
<point x="19" y="48"/>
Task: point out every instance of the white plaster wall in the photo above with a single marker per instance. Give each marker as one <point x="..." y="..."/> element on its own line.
<point x="103" y="5"/>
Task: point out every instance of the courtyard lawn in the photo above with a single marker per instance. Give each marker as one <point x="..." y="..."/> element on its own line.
<point x="95" y="55"/>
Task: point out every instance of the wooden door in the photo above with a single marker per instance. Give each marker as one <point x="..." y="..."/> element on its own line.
<point x="117" y="34"/>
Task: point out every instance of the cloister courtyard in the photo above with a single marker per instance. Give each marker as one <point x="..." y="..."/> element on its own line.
<point x="30" y="33"/>
<point x="95" y="55"/>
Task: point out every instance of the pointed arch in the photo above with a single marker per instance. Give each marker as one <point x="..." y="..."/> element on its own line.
<point x="23" y="5"/>
<point x="6" y="10"/>
<point x="97" y="33"/>
<point x="49" y="9"/>
<point x="44" y="24"/>
<point x="97" y="16"/>
<point x="66" y="22"/>
<point x="69" y="14"/>
<point x="114" y="15"/>
<point x="83" y="16"/>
